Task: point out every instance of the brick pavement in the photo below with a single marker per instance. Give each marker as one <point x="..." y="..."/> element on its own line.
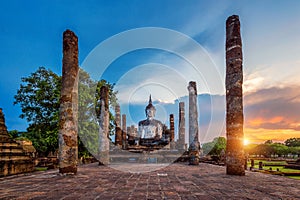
<point x="177" y="181"/>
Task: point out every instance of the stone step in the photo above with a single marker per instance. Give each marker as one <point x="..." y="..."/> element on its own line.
<point x="11" y="150"/>
<point x="14" y="156"/>
<point x="9" y="144"/>
<point x="16" y="159"/>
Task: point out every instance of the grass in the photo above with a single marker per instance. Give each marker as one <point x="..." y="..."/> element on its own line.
<point x="294" y="177"/>
<point x="41" y="169"/>
<point x="274" y="167"/>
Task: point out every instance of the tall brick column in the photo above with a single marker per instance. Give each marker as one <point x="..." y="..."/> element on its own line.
<point x="124" y="144"/>
<point x="172" y="129"/>
<point x="172" y="132"/>
<point x="118" y="133"/>
<point x="194" y="148"/>
<point x="234" y="98"/>
<point x="103" y="149"/>
<point x="181" y="127"/>
<point x="68" y="130"/>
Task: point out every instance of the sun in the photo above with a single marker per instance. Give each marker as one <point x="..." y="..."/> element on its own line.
<point x="246" y="141"/>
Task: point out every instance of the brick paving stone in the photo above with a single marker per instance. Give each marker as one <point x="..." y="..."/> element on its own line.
<point x="176" y="181"/>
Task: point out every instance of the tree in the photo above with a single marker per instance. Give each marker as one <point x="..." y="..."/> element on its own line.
<point x="38" y="97"/>
<point x="292" y="142"/>
<point x="13" y="134"/>
<point x="215" y="147"/>
<point x="279" y="149"/>
<point x="263" y="149"/>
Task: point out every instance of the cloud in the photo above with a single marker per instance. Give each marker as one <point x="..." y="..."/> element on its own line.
<point x="272" y="114"/>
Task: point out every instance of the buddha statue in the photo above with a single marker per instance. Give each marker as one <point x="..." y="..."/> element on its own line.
<point x="150" y="128"/>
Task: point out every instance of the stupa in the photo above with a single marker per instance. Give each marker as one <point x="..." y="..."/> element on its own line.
<point x="14" y="159"/>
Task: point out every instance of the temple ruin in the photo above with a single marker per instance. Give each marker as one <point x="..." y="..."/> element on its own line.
<point x="14" y="159"/>
<point x="151" y="134"/>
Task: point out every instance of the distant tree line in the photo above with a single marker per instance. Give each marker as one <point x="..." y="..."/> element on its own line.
<point x="267" y="149"/>
<point x="274" y="149"/>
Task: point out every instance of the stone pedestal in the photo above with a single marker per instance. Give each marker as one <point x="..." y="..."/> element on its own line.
<point x="68" y="127"/>
<point x="194" y="147"/>
<point x="234" y="98"/>
<point x="103" y="149"/>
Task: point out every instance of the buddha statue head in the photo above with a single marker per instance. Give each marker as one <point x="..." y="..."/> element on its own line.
<point x="150" y="110"/>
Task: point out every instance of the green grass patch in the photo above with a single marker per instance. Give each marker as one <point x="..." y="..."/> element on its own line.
<point x="274" y="168"/>
<point x="294" y="177"/>
<point x="41" y="169"/>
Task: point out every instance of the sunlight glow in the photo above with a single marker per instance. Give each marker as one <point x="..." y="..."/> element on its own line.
<point x="246" y="141"/>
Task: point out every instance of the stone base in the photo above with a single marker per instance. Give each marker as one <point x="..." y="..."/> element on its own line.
<point x="11" y="167"/>
<point x="14" y="159"/>
<point x="235" y="170"/>
<point x="193" y="157"/>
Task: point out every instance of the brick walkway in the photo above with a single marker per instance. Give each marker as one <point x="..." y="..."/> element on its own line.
<point x="177" y="181"/>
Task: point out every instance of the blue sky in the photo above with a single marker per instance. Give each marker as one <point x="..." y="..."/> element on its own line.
<point x="31" y="36"/>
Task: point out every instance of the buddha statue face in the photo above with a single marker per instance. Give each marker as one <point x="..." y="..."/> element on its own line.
<point x="150" y="113"/>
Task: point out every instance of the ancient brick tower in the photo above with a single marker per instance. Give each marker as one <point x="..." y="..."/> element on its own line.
<point x="234" y="98"/>
<point x="68" y="123"/>
<point x="13" y="158"/>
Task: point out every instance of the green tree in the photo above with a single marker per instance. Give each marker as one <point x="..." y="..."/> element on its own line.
<point x="13" y="134"/>
<point x="89" y="96"/>
<point x="263" y="149"/>
<point x="279" y="149"/>
<point x="38" y="97"/>
<point x="292" y="142"/>
<point x="215" y="147"/>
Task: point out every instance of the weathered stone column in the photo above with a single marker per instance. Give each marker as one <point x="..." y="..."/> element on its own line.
<point x="172" y="129"/>
<point x="234" y="98"/>
<point x="181" y="127"/>
<point x="118" y="133"/>
<point x="194" y="147"/>
<point x="103" y="127"/>
<point x="124" y="145"/>
<point x="172" y="132"/>
<point x="68" y="128"/>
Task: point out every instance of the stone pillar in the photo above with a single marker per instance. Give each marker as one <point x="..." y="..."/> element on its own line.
<point x="234" y="98"/>
<point x="103" y="149"/>
<point x="172" y="129"/>
<point x="124" y="141"/>
<point x="194" y="147"/>
<point x="172" y="132"/>
<point x="68" y="121"/>
<point x="118" y="133"/>
<point x="181" y="127"/>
